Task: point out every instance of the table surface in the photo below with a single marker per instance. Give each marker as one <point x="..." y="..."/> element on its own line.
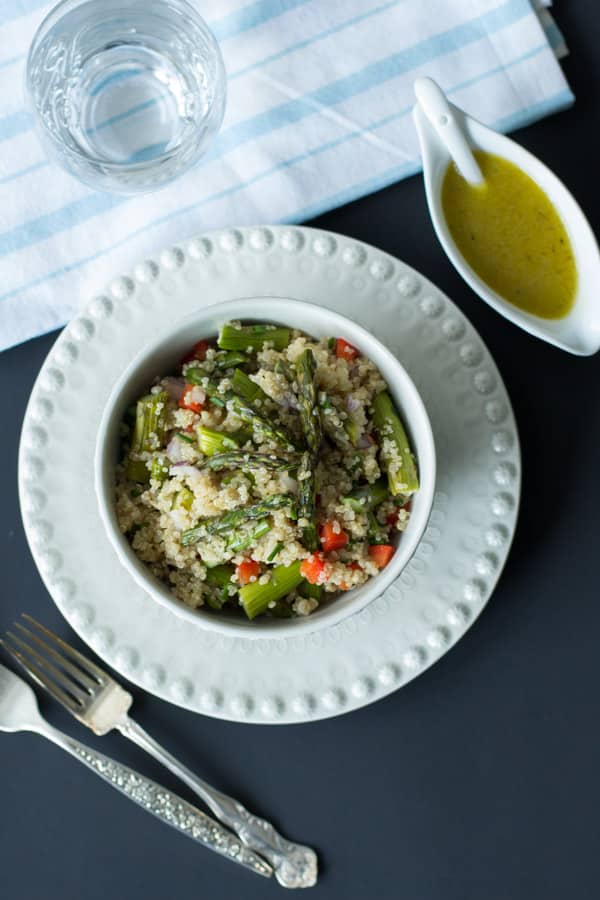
<point x="479" y="779"/>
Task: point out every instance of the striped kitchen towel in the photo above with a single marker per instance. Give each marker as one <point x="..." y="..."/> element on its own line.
<point x="320" y="94"/>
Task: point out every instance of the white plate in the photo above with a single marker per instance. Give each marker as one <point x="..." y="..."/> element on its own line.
<point x="417" y="619"/>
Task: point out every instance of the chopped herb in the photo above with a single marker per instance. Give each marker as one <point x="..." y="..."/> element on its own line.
<point x="274" y="552"/>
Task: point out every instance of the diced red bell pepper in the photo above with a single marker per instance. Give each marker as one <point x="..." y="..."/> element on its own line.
<point x="198" y="352"/>
<point x="344" y="350"/>
<point x="381" y="554"/>
<point x="354" y="566"/>
<point x="392" y="519"/>
<point x="331" y="539"/>
<point x="313" y="569"/>
<point x="247" y="571"/>
<point x="187" y="399"/>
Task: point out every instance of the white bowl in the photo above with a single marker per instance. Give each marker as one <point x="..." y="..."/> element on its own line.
<point x="163" y="355"/>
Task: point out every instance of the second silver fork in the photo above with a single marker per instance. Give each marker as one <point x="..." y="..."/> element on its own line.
<point x="100" y="703"/>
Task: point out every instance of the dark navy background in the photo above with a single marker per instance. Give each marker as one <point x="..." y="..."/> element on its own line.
<point x="478" y="781"/>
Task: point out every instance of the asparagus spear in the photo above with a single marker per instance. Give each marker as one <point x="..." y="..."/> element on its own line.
<point x="367" y="496"/>
<point x="183" y="499"/>
<point x="252" y="336"/>
<point x="220" y="575"/>
<point x="244" y="460"/>
<point x="307" y="502"/>
<point x="242" y="540"/>
<point x="159" y="470"/>
<point x="229" y="360"/>
<point x="256" y="597"/>
<point x="198" y="376"/>
<point x="281" y="610"/>
<point x="148" y="433"/>
<point x="307" y="395"/>
<point x="282" y="367"/>
<point x="247" y="414"/>
<point x="351" y="429"/>
<point x="395" y="451"/>
<point x="275" y="552"/>
<point x="220" y="578"/>
<point x="229" y="520"/>
<point x="375" y="532"/>
<point x="212" y="442"/>
<point x="337" y="433"/>
<point x="311" y="591"/>
<point x="246" y="388"/>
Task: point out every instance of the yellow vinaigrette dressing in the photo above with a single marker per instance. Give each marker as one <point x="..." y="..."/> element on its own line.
<point x="512" y="236"/>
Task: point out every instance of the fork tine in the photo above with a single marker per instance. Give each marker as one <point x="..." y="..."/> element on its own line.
<point x="82" y="661"/>
<point x="83" y="678"/>
<point x="41" y="678"/>
<point x="60" y="678"/>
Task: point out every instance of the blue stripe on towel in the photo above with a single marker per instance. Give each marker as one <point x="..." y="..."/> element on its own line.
<point x="291" y="111"/>
<point x="353" y="192"/>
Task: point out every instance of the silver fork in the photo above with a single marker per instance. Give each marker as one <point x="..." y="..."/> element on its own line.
<point x="100" y="703"/>
<point x="19" y="712"/>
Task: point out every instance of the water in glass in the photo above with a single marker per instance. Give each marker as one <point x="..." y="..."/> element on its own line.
<point x="127" y="93"/>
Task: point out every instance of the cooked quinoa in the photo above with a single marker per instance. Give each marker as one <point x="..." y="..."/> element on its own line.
<point x="270" y="472"/>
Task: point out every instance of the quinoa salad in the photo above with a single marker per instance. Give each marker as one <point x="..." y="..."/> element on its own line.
<point x="266" y="475"/>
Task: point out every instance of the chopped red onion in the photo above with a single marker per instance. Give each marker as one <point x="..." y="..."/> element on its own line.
<point x="289" y="401"/>
<point x="173" y="387"/>
<point x="352" y="404"/>
<point x="176" y="451"/>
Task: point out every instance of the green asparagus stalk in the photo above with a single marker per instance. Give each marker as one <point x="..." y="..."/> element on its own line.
<point x="282" y="367"/>
<point x="244" y="460"/>
<point x="281" y="610"/>
<point x="307" y="501"/>
<point x="242" y="540"/>
<point x="395" y="451"/>
<point x="367" y="496"/>
<point x="256" y="597"/>
<point x="220" y="578"/>
<point x="245" y="388"/>
<point x="229" y="520"/>
<point x="375" y="532"/>
<point x="241" y="435"/>
<point x="220" y="575"/>
<point x="310" y="591"/>
<point x="148" y="433"/>
<point x="275" y="552"/>
<point x="137" y="470"/>
<point x="198" y="376"/>
<point x="183" y="499"/>
<point x="351" y="429"/>
<point x="336" y="433"/>
<point x="230" y="359"/>
<point x="247" y="414"/>
<point x="195" y="375"/>
<point x="252" y="337"/>
<point x="306" y="367"/>
<point x="213" y="442"/>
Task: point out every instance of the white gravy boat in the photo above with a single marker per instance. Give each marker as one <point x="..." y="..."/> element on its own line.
<point x="443" y="129"/>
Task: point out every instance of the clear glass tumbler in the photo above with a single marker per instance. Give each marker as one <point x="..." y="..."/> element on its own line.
<point x="127" y="94"/>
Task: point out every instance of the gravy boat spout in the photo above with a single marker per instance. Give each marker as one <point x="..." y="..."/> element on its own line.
<point x="579" y="331"/>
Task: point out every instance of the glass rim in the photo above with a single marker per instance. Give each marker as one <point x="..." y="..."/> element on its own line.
<point x="54" y="15"/>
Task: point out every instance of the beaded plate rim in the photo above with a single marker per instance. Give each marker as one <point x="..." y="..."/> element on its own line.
<point x="298" y="262"/>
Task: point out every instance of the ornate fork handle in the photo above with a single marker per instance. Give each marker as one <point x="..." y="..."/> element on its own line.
<point x="295" y="865"/>
<point x="163" y="804"/>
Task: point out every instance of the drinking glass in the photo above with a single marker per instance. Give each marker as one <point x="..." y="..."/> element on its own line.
<point x="126" y="94"/>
